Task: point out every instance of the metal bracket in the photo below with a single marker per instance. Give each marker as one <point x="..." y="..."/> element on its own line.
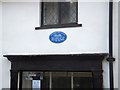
<point x="110" y="59"/>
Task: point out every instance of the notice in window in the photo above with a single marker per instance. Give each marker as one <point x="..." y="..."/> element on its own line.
<point x="36" y="84"/>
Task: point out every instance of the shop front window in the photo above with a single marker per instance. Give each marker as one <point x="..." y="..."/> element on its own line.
<point x="56" y="80"/>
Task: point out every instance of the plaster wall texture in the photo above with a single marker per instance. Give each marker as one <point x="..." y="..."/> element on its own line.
<point x="119" y="44"/>
<point x="0" y="45"/>
<point x="20" y="36"/>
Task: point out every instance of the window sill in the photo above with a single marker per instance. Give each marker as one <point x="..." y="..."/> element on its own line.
<point x="58" y="26"/>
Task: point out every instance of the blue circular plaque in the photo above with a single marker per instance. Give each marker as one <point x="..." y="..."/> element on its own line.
<point x="58" y="37"/>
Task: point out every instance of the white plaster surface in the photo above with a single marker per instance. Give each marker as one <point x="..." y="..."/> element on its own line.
<point x="20" y="36"/>
<point x="119" y="44"/>
<point x="115" y="43"/>
<point x="0" y="45"/>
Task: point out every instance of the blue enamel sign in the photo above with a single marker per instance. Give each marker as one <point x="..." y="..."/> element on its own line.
<point x="58" y="37"/>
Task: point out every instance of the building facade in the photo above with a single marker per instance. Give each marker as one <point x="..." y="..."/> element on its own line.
<point x="86" y="45"/>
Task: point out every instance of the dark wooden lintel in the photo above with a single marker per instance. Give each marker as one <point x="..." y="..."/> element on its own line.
<point x="72" y="62"/>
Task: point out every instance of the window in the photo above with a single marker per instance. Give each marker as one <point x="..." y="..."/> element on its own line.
<point x="59" y="14"/>
<point x="56" y="80"/>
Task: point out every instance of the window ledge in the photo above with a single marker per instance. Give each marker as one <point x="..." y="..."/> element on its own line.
<point x="58" y="26"/>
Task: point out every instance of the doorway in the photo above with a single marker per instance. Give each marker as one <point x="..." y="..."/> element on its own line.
<point x="56" y="80"/>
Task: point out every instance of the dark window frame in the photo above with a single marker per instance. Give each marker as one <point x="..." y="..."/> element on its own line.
<point x="59" y="25"/>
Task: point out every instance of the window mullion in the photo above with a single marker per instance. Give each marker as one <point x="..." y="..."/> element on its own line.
<point x="42" y="13"/>
<point x="77" y="12"/>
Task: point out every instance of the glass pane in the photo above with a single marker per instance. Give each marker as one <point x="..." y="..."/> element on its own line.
<point x="50" y="10"/>
<point x="32" y="80"/>
<point x="61" y="80"/>
<point x="55" y="80"/>
<point x="82" y="80"/>
<point x="46" y="81"/>
<point x="26" y="81"/>
<point x="68" y="12"/>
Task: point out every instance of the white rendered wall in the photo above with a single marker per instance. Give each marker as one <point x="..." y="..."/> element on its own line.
<point x="20" y="36"/>
<point x="0" y="45"/>
<point x="115" y="43"/>
<point x="119" y="44"/>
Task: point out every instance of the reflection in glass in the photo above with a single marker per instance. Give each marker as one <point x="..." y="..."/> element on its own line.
<point x="82" y="80"/>
<point x="55" y="80"/>
<point x="61" y="80"/>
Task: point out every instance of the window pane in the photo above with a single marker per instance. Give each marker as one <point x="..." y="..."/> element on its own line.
<point x="61" y="80"/>
<point x="32" y="80"/>
<point x="27" y="80"/>
<point x="82" y="80"/>
<point x="68" y="12"/>
<point x="46" y="81"/>
<point x="50" y="10"/>
<point x="56" y="80"/>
